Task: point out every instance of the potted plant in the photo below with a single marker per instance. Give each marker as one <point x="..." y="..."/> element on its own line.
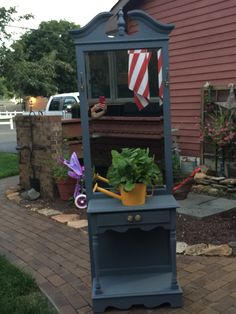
<point x="65" y="184"/>
<point x="132" y="171"/>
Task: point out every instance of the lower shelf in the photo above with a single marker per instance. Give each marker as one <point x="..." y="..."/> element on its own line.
<point x="135" y="283"/>
<point x="147" y="289"/>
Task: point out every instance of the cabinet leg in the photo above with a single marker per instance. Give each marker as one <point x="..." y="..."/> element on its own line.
<point x="98" y="289"/>
<point x="174" y="283"/>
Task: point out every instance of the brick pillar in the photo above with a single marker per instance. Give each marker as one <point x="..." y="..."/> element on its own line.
<point x="39" y="139"/>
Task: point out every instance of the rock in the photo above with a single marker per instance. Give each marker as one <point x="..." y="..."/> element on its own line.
<point x="219" y="187"/>
<point x="196" y="249"/>
<point x="208" y="189"/>
<point x="48" y="212"/>
<point x="229" y="181"/>
<point x="213" y="192"/>
<point x="208" y="250"/>
<point x="203" y="181"/>
<point x="199" y="188"/>
<point x="64" y="218"/>
<point x="31" y="195"/>
<point x="217" y="179"/>
<point x="181" y="247"/>
<point x="231" y="190"/>
<point x="232" y="195"/>
<point x="232" y="245"/>
<point x="218" y="250"/>
<point x="77" y="224"/>
<point x="199" y="176"/>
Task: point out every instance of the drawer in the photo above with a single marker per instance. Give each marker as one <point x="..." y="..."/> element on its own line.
<point x="133" y="218"/>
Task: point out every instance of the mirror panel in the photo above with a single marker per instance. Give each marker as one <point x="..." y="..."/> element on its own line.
<point x="122" y="124"/>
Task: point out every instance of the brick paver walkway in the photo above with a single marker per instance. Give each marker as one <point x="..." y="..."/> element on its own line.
<point x="57" y="256"/>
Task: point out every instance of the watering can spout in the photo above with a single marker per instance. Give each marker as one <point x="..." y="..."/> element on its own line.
<point x="132" y="198"/>
<point x="107" y="192"/>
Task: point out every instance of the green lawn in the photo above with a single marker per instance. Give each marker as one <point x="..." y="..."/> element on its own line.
<point x="19" y="293"/>
<point x="8" y="165"/>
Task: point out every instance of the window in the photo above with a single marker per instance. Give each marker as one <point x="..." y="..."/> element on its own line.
<point x="55" y="104"/>
<point x="68" y="103"/>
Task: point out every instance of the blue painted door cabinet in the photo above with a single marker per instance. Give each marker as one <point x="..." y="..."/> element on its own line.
<point x="132" y="248"/>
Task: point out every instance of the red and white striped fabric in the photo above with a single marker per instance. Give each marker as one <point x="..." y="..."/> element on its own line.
<point x="160" y="79"/>
<point x="138" y="76"/>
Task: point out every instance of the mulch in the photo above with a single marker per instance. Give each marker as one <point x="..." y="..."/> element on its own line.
<point x="216" y="229"/>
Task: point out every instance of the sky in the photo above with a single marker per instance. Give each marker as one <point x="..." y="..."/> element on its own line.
<point x="77" y="11"/>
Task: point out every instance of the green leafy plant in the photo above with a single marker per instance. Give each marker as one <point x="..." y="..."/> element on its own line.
<point x="59" y="170"/>
<point x="131" y="166"/>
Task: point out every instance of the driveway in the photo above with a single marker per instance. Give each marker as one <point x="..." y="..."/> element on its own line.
<point x="7" y="139"/>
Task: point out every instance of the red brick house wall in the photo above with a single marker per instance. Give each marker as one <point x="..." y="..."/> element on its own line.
<point x="202" y="48"/>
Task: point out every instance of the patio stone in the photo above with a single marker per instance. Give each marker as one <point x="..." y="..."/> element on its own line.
<point x="200" y="205"/>
<point x="48" y="212"/>
<point x="64" y="218"/>
<point x="77" y="224"/>
<point x="15" y="197"/>
<point x="34" y="209"/>
<point x="219" y="250"/>
<point x="12" y="194"/>
<point x="196" y="249"/>
<point x="208" y="250"/>
<point x="13" y="189"/>
<point x="181" y="247"/>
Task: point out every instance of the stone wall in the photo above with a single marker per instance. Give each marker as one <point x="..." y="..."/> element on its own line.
<point x="215" y="186"/>
<point x="39" y="141"/>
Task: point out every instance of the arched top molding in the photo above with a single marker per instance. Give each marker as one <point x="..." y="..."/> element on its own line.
<point x="148" y="29"/>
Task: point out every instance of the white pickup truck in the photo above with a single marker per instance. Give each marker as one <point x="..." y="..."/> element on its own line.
<point x="61" y="104"/>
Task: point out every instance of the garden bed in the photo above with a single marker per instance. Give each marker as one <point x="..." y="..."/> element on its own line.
<point x="216" y="229"/>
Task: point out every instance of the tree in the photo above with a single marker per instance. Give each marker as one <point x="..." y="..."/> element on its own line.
<point x="7" y="16"/>
<point x="43" y="61"/>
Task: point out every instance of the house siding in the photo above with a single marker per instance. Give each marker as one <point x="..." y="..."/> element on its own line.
<point x="202" y="48"/>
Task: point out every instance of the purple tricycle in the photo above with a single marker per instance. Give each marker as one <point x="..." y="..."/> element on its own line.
<point x="77" y="172"/>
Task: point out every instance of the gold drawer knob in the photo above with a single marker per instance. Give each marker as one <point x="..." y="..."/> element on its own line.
<point x="130" y="218"/>
<point x="138" y="218"/>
